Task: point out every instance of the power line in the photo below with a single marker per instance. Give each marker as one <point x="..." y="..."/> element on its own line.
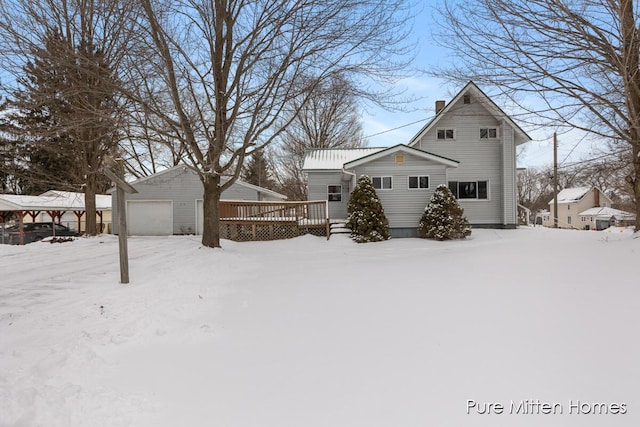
<point x="574" y="147"/>
<point x="593" y="159"/>
<point x="396" y="128"/>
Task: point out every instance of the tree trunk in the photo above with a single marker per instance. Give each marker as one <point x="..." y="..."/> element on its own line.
<point x="631" y="74"/>
<point x="90" y="205"/>
<point x="635" y="181"/>
<point x="211" y="214"/>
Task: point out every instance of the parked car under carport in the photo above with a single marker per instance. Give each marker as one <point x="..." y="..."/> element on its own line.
<point x="33" y="232"/>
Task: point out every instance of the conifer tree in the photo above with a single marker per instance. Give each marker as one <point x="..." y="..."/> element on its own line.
<point x="444" y="219"/>
<point x="258" y="170"/>
<point x="365" y="215"/>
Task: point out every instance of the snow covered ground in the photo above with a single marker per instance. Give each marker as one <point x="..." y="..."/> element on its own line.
<point x="315" y="333"/>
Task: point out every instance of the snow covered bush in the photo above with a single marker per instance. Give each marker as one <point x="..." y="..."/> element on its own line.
<point x="365" y="215"/>
<point x="444" y="219"/>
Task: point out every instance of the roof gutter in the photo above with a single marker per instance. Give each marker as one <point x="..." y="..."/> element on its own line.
<point x="352" y="179"/>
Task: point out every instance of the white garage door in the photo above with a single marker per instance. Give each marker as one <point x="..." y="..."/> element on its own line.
<point x="150" y="217"/>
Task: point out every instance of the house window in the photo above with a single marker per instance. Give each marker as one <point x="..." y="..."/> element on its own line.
<point x="418" y="182"/>
<point x="488" y="133"/>
<point x="568" y="220"/>
<point x="568" y="207"/>
<point x="382" y="182"/>
<point x="446" y="133"/>
<point x="334" y="193"/>
<point x="469" y="189"/>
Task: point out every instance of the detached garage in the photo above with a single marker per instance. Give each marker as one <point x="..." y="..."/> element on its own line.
<point x="170" y="202"/>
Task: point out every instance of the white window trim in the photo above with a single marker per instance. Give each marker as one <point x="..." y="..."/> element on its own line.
<point x="418" y="188"/>
<point x="329" y="192"/>
<point x="445" y="138"/>
<point x="476" y="200"/>
<point x="489" y="138"/>
<point x="382" y="182"/>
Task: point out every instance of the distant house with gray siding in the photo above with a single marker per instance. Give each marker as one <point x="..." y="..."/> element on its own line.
<point x="170" y="202"/>
<point x="469" y="145"/>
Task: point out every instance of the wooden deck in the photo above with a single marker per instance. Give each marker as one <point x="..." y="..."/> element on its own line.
<point x="249" y="220"/>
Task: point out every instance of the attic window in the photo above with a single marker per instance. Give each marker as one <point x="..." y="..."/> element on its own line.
<point x="399" y="159"/>
<point x="466" y="99"/>
<point x="446" y="134"/>
<point x="488" y="133"/>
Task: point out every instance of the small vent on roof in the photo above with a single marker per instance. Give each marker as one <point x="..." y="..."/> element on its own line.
<point x="399" y="159"/>
<point x="466" y="99"/>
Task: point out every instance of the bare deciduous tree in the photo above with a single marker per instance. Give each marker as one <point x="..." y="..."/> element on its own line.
<point x="60" y="61"/>
<point x="230" y="68"/>
<point x="327" y="117"/>
<point x="570" y="63"/>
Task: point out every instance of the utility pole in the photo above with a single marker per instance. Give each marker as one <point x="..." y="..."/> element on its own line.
<point x="555" y="180"/>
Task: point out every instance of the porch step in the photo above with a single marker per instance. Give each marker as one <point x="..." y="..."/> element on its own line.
<point x="338" y="227"/>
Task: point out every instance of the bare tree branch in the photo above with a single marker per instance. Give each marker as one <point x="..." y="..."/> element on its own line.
<point x="571" y="64"/>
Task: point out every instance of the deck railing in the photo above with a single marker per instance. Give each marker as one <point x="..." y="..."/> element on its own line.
<point x="257" y="220"/>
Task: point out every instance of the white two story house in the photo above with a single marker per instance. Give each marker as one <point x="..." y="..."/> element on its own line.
<point x="469" y="145"/>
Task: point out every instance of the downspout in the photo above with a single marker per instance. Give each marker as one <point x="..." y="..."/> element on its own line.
<point x="504" y="174"/>
<point x="353" y="179"/>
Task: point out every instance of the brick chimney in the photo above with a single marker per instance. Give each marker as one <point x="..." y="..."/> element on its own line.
<point x="596" y="197"/>
<point x="439" y="106"/>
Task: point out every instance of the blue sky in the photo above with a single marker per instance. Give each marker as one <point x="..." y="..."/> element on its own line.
<point x="378" y="124"/>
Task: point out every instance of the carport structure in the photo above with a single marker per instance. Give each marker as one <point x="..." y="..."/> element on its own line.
<point x="53" y="203"/>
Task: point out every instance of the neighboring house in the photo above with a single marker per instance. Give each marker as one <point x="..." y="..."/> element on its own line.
<point x="583" y="208"/>
<point x="170" y="202"/>
<point x="469" y="145"/>
<point x="601" y="218"/>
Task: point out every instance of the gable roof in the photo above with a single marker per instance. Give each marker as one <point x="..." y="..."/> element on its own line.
<point x="569" y="195"/>
<point x="334" y="158"/>
<point x="404" y="148"/>
<point x="186" y="168"/>
<point x="491" y="106"/>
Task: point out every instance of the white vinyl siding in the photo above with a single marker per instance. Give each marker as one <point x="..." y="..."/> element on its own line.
<point x="319" y="183"/>
<point x="403" y="207"/>
<point x="480" y="160"/>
